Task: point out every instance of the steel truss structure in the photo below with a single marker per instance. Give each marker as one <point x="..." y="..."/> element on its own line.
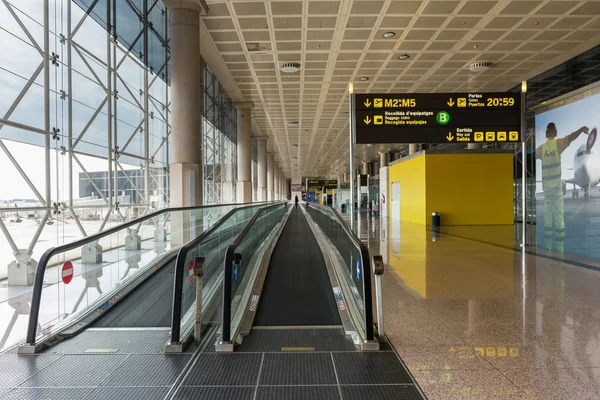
<point x="103" y="69"/>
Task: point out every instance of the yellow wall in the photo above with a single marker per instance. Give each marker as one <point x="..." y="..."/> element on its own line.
<point x="411" y="175"/>
<point x="467" y="189"/>
<point x="470" y="189"/>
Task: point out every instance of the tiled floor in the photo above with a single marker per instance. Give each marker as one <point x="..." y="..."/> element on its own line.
<point x="478" y="321"/>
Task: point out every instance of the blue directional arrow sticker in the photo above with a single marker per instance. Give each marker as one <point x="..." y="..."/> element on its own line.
<point x="235" y="273"/>
<point x="358" y="269"/>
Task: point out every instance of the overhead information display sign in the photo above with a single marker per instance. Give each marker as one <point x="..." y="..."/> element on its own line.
<point x="321" y="183"/>
<point x="437" y="118"/>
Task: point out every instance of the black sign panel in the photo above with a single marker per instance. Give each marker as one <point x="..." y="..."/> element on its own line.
<point x="320" y="183"/>
<point x="437" y="118"/>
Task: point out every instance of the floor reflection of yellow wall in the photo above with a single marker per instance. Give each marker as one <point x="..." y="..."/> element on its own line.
<point x="502" y="235"/>
<point x="408" y="257"/>
<point x="450" y="267"/>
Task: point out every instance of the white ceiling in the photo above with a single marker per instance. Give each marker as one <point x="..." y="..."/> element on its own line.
<point x="337" y="42"/>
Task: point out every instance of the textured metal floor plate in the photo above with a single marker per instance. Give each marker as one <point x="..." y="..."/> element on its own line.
<point x="131" y="393"/>
<point x="76" y="371"/>
<point x="272" y="340"/>
<point x="15" y="369"/>
<point x="368" y="368"/>
<point x="298" y="393"/>
<point x="47" y="393"/>
<point x="224" y="370"/>
<point x="124" y="341"/>
<point x="148" y="370"/>
<point x="216" y="393"/>
<point x="387" y="392"/>
<point x="297" y="369"/>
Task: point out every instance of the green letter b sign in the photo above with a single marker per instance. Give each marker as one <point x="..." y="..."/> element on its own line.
<point x="442" y="118"/>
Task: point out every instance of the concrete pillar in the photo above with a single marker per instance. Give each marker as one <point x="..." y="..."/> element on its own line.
<point x="345" y="177"/>
<point x="276" y="181"/>
<point x="280" y="188"/>
<point x="186" y="179"/>
<point x="382" y="159"/>
<point x="262" y="168"/>
<point x="412" y="148"/>
<point x="474" y="146"/>
<point x="280" y="183"/>
<point x="270" y="176"/>
<point x="244" y="152"/>
<point x="186" y="96"/>
<point x="365" y="168"/>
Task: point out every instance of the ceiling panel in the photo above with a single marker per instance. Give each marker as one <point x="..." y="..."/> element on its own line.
<point x="338" y="42"/>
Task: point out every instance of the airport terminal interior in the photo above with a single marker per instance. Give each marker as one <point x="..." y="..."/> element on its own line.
<point x="299" y="199"/>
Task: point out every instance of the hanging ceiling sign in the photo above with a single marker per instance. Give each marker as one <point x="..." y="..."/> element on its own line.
<point x="321" y="183"/>
<point x="437" y="118"/>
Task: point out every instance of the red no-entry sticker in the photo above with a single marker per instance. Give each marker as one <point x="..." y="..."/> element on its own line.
<point x="191" y="272"/>
<point x="66" y="272"/>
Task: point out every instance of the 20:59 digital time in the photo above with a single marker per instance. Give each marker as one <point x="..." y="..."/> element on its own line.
<point x="500" y="102"/>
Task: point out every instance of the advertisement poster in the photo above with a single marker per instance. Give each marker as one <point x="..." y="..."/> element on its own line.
<point x="567" y="177"/>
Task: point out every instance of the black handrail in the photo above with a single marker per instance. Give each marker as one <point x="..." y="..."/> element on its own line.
<point x="38" y="283"/>
<point x="180" y="271"/>
<point x="226" y="329"/>
<point x="366" y="263"/>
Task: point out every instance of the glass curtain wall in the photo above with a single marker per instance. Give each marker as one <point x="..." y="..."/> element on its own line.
<point x="219" y="141"/>
<point x="85" y="132"/>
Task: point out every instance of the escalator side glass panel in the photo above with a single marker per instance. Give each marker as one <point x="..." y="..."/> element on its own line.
<point x="349" y="254"/>
<point x="88" y="278"/>
<point x="212" y="248"/>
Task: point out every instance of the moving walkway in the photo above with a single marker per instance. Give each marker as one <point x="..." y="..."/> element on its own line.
<point x="128" y="279"/>
<point x="284" y="311"/>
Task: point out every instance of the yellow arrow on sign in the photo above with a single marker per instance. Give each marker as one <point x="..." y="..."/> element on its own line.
<point x="367" y="103"/>
<point x="450" y="102"/>
<point x="367" y="120"/>
<point x="449" y="136"/>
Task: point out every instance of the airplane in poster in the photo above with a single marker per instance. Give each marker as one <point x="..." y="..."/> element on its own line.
<point x="586" y="167"/>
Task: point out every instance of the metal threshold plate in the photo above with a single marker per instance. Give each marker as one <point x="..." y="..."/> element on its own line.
<point x="101" y="351"/>
<point x="297" y="349"/>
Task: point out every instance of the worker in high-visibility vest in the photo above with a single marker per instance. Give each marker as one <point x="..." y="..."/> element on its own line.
<point x="549" y="153"/>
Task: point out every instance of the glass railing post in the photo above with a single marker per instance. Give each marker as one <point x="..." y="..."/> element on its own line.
<point x="227" y="279"/>
<point x="177" y="297"/>
<point x="368" y="300"/>
<point x="36" y="299"/>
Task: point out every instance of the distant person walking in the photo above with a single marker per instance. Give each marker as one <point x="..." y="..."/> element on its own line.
<point x="549" y="153"/>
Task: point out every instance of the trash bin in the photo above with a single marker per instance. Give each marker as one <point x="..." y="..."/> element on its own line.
<point x="435" y="219"/>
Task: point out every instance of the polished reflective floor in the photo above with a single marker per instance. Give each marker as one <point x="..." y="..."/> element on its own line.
<point x="474" y="320"/>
